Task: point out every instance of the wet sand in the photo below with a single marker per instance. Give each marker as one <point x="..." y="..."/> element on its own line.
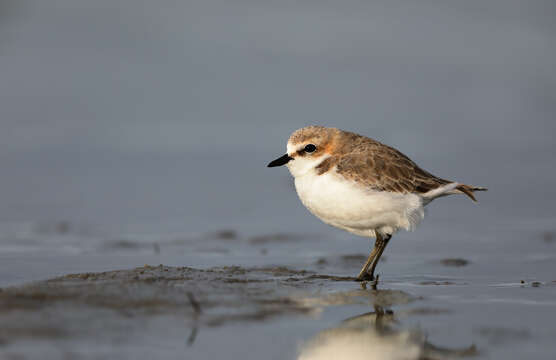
<point x="58" y="317"/>
<point x="138" y="134"/>
<point x="297" y="299"/>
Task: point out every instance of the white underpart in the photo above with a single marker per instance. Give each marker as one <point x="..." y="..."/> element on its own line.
<point x="347" y="205"/>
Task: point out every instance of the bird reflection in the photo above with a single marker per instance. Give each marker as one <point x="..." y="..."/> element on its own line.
<point x="197" y="311"/>
<point x="374" y="335"/>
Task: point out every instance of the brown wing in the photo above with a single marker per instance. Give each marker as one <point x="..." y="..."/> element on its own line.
<point x="383" y="168"/>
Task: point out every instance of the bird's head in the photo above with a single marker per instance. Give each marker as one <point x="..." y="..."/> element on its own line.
<point x="307" y="148"/>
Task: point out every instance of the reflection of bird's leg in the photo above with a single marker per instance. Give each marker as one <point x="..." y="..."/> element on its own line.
<point x="379" y="314"/>
<point x="368" y="270"/>
<point x="192" y="335"/>
<point x="383" y="320"/>
<point x="197" y="311"/>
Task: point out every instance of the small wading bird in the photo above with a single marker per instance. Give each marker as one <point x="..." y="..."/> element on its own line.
<point x="359" y="185"/>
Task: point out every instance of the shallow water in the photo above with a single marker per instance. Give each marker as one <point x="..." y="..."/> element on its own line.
<point x="287" y="295"/>
<point x="137" y="133"/>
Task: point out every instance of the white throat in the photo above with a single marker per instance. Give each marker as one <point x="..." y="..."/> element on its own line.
<point x="303" y="165"/>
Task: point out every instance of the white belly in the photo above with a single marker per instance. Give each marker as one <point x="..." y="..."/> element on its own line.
<point x="348" y="206"/>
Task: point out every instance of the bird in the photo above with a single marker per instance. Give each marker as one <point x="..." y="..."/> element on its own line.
<point x="360" y="185"/>
<point x="376" y="335"/>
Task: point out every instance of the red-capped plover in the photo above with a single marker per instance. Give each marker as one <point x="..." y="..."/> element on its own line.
<point x="362" y="186"/>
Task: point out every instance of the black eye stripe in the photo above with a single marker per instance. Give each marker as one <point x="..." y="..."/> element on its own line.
<point x="309" y="148"/>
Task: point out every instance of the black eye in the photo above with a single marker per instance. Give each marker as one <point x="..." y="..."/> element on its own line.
<point x="310" y="148"/>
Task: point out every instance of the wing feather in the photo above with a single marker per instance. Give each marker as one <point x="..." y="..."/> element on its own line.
<point x="383" y="168"/>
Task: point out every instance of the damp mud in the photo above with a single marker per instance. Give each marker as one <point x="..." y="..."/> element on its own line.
<point x="139" y="132"/>
<point x="291" y="302"/>
<point x="67" y="293"/>
<point x="62" y="316"/>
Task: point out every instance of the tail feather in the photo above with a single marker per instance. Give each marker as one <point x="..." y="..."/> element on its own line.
<point x="468" y="190"/>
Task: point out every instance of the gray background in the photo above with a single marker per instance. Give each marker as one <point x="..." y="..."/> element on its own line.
<point x="132" y="132"/>
<point x="161" y="116"/>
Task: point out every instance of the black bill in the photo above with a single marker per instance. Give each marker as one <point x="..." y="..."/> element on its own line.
<point x="283" y="160"/>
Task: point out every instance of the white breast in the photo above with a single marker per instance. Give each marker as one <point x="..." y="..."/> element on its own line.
<point x="351" y="207"/>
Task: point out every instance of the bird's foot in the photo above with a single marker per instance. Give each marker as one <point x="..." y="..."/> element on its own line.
<point x="369" y="279"/>
<point x="365" y="277"/>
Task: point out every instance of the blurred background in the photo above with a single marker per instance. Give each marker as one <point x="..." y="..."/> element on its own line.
<point x="161" y="116"/>
<point x="138" y="132"/>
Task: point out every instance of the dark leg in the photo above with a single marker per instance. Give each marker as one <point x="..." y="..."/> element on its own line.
<point x="368" y="270"/>
<point x="382" y="246"/>
<point x="363" y="275"/>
